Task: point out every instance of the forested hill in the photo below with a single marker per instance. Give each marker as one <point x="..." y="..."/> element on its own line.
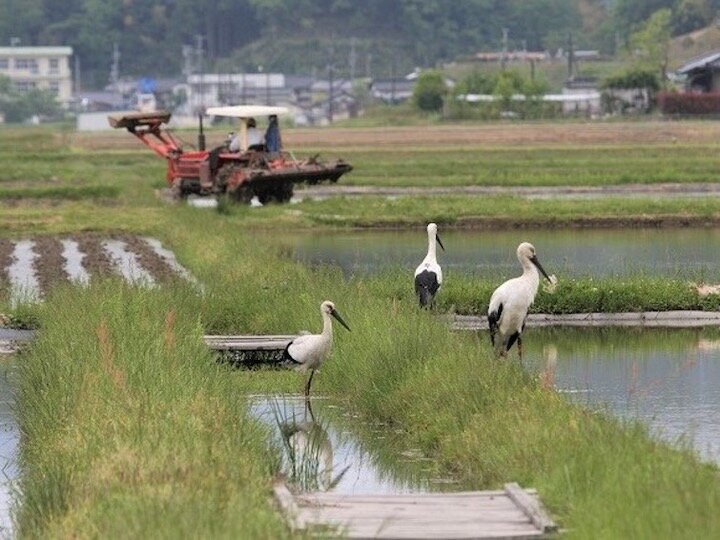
<point x="374" y="36"/>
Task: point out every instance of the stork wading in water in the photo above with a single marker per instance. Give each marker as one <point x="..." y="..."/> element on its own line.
<point x="428" y="276"/>
<point x="510" y="302"/>
<point x="309" y="351"/>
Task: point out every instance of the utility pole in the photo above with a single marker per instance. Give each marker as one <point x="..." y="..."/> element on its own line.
<point x="115" y="67"/>
<point x="331" y="93"/>
<point x="331" y="84"/>
<point x="503" y="61"/>
<point x="77" y="75"/>
<point x="199" y="55"/>
<point x="352" y="59"/>
<point x="392" y="81"/>
<point x="267" y="88"/>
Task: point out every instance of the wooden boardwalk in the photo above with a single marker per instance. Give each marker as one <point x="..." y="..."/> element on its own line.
<point x="248" y="343"/>
<point x="249" y="351"/>
<point x="509" y="513"/>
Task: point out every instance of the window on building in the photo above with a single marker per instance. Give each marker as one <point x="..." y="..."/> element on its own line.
<point x="25" y="86"/>
<point x="29" y="64"/>
<point x="4" y="64"/>
<point x="54" y="66"/>
<point x="54" y="88"/>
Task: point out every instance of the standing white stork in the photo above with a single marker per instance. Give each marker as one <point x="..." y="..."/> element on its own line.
<point x="428" y="276"/>
<point x="510" y="302"/>
<point x="311" y="350"/>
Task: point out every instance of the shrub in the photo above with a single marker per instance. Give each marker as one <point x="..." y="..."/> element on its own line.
<point x="685" y="103"/>
<point x="430" y="91"/>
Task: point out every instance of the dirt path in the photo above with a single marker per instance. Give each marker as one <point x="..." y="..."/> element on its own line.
<point x="462" y="135"/>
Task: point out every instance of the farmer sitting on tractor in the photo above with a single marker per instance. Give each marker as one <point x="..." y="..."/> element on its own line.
<point x="254" y="138"/>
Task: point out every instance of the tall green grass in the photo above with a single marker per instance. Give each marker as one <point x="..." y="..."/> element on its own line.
<point x="131" y="429"/>
<point x="489" y="422"/>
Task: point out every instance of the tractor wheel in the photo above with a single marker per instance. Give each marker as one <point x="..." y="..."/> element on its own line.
<point x="175" y="191"/>
<point x="276" y="192"/>
<point x="243" y="193"/>
<point x="223" y="175"/>
<point x="283" y="192"/>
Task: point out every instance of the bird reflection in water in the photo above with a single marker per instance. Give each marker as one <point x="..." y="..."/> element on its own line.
<point x="308" y="452"/>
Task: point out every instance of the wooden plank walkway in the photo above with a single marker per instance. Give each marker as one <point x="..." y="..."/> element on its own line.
<point x="509" y="513"/>
<point x="248" y="343"/>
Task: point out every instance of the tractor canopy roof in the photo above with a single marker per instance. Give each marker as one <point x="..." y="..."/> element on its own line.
<point x="246" y="111"/>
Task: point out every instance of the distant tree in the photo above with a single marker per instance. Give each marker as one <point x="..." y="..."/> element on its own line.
<point x="18" y="106"/>
<point x="651" y="44"/>
<point x="633" y="78"/>
<point x="629" y="15"/>
<point x="430" y="90"/>
<point x="475" y="83"/>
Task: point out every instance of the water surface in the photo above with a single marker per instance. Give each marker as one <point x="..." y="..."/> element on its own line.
<point x="324" y="448"/>
<point x="686" y="253"/>
<point x="668" y="379"/>
<point x="9" y="443"/>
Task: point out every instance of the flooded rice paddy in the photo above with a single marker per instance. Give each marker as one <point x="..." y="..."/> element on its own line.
<point x="325" y="448"/>
<point x="29" y="268"/>
<point x="668" y="379"/>
<point x="686" y="253"/>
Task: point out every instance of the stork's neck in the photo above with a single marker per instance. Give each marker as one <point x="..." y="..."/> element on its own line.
<point x="327" y="325"/>
<point x="431" y="256"/>
<point x="530" y="271"/>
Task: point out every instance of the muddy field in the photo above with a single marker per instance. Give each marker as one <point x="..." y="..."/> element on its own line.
<point x="596" y="133"/>
<point x="32" y="266"/>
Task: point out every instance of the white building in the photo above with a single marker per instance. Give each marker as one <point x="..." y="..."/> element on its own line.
<point x="44" y="68"/>
<point x="214" y="89"/>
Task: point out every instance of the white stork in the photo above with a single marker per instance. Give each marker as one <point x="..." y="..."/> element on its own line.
<point x="428" y="276"/>
<point x="510" y="302"/>
<point x="311" y="350"/>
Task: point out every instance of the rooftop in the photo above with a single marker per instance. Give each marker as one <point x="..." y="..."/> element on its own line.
<point x="36" y="51"/>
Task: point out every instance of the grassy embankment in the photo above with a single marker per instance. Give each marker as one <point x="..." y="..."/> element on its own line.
<point x="486" y="422"/>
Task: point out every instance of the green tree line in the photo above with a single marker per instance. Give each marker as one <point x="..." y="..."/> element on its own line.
<point x="301" y="35"/>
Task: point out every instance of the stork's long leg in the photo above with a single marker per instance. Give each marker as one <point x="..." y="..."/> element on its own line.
<point x="519" y="342"/>
<point x="308" y="383"/>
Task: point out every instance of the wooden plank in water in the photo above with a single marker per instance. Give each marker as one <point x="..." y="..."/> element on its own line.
<point x="474" y="514"/>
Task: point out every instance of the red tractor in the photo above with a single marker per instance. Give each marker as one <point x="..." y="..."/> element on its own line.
<point x="237" y="168"/>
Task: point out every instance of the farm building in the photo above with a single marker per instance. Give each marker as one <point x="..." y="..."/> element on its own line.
<point x="702" y="74"/>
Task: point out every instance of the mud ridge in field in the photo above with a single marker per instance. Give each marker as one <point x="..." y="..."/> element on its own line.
<point x="49" y="265"/>
<point x="96" y="261"/>
<point x="148" y="259"/>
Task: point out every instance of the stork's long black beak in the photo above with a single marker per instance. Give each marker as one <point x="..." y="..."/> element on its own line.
<point x="335" y="314"/>
<point x="437" y="238"/>
<point x="536" y="262"/>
